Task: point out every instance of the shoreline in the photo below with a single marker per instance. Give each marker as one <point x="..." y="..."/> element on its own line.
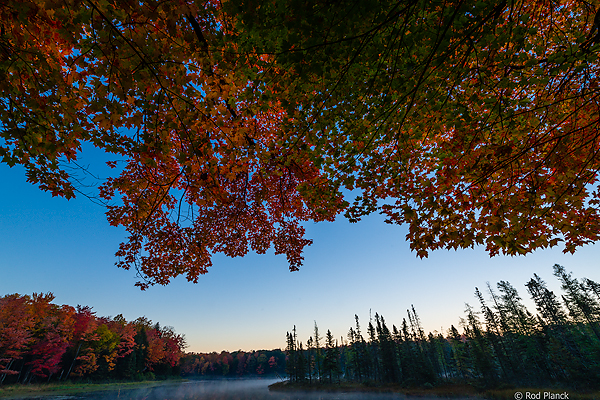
<point x="448" y="390"/>
<point x="40" y="390"/>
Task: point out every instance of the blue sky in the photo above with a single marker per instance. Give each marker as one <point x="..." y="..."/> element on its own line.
<point x="49" y="244"/>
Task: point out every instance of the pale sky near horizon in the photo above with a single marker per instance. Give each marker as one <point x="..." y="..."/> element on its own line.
<point x="49" y="244"/>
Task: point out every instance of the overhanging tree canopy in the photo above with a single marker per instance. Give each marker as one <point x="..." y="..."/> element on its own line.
<point x="472" y="122"/>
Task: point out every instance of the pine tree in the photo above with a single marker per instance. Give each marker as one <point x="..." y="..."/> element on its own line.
<point x="546" y="302"/>
<point x="345" y="363"/>
<point x="460" y="354"/>
<point x="309" y="358"/>
<point x="291" y="363"/>
<point x="141" y="351"/>
<point x="494" y="335"/>
<point x="593" y="287"/>
<point x="372" y="354"/>
<point x="387" y="351"/>
<point x="443" y="351"/>
<point x="423" y="365"/>
<point x="353" y="370"/>
<point x="516" y="314"/>
<point x="565" y="359"/>
<point x="318" y="355"/>
<point x="482" y="355"/>
<point x="579" y="302"/>
<point x="361" y="352"/>
<point x="300" y="363"/>
<point x="330" y="363"/>
<point x="397" y="338"/>
<point x="409" y="355"/>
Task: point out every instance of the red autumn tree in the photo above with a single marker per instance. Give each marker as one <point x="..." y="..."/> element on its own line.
<point x="16" y="324"/>
<point x="174" y="346"/>
<point x="52" y="330"/>
<point x="42" y="340"/>
<point x="85" y="360"/>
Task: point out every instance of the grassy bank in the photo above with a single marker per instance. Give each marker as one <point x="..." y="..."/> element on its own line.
<point x="68" y="388"/>
<point x="444" y="391"/>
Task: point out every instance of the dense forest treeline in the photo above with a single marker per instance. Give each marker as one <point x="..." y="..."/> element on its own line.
<point x="41" y="341"/>
<point x="501" y="342"/>
<point x="234" y="364"/>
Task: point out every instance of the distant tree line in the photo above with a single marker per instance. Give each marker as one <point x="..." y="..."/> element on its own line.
<point x="234" y="364"/>
<point x="501" y="342"/>
<point x="41" y="341"/>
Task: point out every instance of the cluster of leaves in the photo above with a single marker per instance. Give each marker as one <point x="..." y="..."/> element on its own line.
<point x="473" y="122"/>
<point x="235" y="364"/>
<point x="205" y="169"/>
<point x="236" y="121"/>
<point x="41" y="340"/>
<point x="559" y="344"/>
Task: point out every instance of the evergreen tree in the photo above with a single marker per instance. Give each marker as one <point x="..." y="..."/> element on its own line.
<point x="460" y="354"/>
<point x="495" y="337"/>
<point x="560" y="351"/>
<point x="501" y="315"/>
<point x="352" y="371"/>
<point x="362" y="363"/>
<point x="592" y="287"/>
<point x="568" y="360"/>
<point x="344" y="360"/>
<point x="515" y="312"/>
<point x="330" y="363"/>
<point x="420" y="333"/>
<point x="424" y="371"/>
<point x="581" y="305"/>
<point x="387" y="351"/>
<point x="481" y="352"/>
<point x="397" y="338"/>
<point x="318" y="355"/>
<point x="141" y="351"/>
<point x="372" y="354"/>
<point x="546" y="302"/>
<point x="443" y="351"/>
<point x="513" y="345"/>
<point x="409" y="355"/>
<point x="290" y="365"/>
<point x="309" y="358"/>
<point x="300" y="363"/>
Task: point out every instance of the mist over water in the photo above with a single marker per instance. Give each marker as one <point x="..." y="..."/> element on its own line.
<point x="242" y="389"/>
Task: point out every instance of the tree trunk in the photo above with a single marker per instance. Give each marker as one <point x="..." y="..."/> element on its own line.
<point x="73" y="363"/>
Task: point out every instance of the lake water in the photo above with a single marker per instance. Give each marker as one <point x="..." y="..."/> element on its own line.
<point x="243" y="389"/>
